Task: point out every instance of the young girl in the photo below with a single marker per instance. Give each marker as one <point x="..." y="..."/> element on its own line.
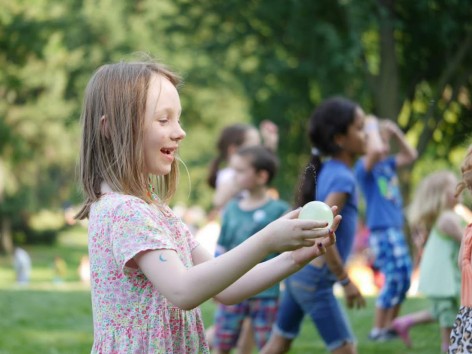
<point x="376" y="173"/>
<point x="336" y="130"/>
<point x="232" y="138"/>
<point x="148" y="273"/>
<point x="255" y="167"/>
<point x="432" y="209"/>
<point x="461" y="334"/>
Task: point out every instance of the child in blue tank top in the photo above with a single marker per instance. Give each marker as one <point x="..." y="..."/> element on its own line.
<point x="336" y="131"/>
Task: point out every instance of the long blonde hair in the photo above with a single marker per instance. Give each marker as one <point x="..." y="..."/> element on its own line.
<point x="115" y="156"/>
<point x="430" y="199"/>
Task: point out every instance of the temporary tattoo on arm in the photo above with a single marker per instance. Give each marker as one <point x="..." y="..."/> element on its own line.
<point x="162" y="259"/>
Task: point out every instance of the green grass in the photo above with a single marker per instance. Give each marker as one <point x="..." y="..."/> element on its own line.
<point x="45" y="317"/>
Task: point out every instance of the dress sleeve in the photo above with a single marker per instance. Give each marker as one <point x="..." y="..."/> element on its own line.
<point x="137" y="227"/>
<point x="343" y="183"/>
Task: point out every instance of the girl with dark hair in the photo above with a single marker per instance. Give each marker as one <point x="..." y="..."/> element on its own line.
<point x="336" y="132"/>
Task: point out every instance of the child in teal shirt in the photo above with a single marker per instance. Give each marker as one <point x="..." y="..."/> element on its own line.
<point x="254" y="167"/>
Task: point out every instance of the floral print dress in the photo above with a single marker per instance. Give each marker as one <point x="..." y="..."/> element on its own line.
<point x="129" y="314"/>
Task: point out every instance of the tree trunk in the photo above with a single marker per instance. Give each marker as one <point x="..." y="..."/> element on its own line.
<point x="386" y="96"/>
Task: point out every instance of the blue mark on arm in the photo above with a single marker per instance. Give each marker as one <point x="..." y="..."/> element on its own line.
<point x="162" y="259"/>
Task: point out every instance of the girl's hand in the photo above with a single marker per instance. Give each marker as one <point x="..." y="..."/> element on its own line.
<point x="353" y="296"/>
<point x="270" y="134"/>
<point x="289" y="233"/>
<point x="304" y="255"/>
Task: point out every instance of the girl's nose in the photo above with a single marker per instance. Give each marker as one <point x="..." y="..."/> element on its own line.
<point x="179" y="133"/>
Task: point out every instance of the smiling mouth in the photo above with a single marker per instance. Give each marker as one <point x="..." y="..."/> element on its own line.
<point x="168" y="151"/>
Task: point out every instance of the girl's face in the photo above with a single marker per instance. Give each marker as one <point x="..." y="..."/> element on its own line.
<point x="162" y="130"/>
<point x="245" y="176"/>
<point x="251" y="138"/>
<point x="354" y="141"/>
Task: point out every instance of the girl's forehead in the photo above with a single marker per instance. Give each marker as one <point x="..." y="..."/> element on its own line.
<point x="162" y="94"/>
<point x="359" y="113"/>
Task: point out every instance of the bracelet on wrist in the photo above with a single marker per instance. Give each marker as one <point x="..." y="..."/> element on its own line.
<point x="344" y="281"/>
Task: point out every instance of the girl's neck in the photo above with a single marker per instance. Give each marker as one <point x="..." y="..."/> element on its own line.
<point x="105" y="188"/>
<point x="254" y="198"/>
<point x="346" y="158"/>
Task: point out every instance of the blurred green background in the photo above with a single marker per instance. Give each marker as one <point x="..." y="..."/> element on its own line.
<point x="242" y="61"/>
<point x="409" y="61"/>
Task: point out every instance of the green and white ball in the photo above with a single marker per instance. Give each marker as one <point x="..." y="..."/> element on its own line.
<point x="317" y="211"/>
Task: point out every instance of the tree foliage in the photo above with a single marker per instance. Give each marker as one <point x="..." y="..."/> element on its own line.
<point x="407" y="61"/>
<point x="242" y="61"/>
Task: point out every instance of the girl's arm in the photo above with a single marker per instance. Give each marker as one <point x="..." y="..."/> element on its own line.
<point x="407" y="153"/>
<point x="189" y="287"/>
<point x="449" y="223"/>
<point x="375" y="146"/>
<point x="335" y="264"/>
<point x="271" y="272"/>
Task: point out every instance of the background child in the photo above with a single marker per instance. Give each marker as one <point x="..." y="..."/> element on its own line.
<point x="432" y="209"/>
<point x="376" y="173"/>
<point x="221" y="179"/>
<point x="336" y="130"/>
<point x="22" y="265"/>
<point x="254" y="167"/>
<point x="232" y="138"/>
<point x="148" y="273"/>
<point x="461" y="334"/>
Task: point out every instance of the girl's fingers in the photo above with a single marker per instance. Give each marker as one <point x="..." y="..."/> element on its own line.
<point x="334" y="209"/>
<point x="292" y="214"/>
<point x="336" y="222"/>
<point x="310" y="225"/>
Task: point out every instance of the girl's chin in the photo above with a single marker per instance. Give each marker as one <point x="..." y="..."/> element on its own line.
<point x="159" y="172"/>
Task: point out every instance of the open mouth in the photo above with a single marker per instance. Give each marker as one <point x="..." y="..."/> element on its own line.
<point x="168" y="151"/>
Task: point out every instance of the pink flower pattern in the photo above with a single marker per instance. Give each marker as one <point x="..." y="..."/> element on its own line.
<point x="129" y="314"/>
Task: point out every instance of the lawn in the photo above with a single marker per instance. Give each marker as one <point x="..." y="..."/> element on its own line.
<point x="48" y="317"/>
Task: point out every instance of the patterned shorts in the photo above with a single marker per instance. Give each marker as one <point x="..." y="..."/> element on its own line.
<point x="229" y="319"/>
<point x="392" y="258"/>
<point x="461" y="335"/>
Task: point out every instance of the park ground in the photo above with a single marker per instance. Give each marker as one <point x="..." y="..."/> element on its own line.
<point x="52" y="314"/>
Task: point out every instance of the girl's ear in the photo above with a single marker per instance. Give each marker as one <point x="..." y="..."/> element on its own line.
<point x="263" y="177"/>
<point x="104" y="127"/>
<point x="339" y="140"/>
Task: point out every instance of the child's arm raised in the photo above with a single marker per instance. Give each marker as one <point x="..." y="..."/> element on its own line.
<point x="189" y="287"/>
<point x="375" y="146"/>
<point x="407" y="153"/>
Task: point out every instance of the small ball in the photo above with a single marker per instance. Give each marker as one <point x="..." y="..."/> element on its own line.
<point x="317" y="211"/>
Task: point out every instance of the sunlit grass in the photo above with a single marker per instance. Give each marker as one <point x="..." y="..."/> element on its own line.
<point x="46" y="317"/>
